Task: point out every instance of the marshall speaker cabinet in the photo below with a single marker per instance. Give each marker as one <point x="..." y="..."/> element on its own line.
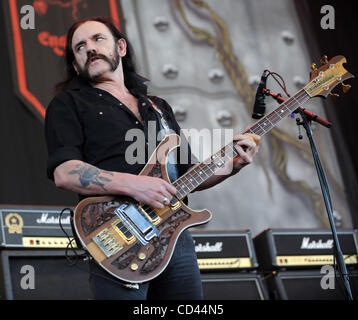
<point x="303" y="248"/>
<point x="34" y="260"/>
<point x="234" y="286"/>
<point x="298" y="264"/>
<point x="309" y="285"/>
<point x="228" y="265"/>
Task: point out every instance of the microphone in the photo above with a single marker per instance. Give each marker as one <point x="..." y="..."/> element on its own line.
<point x="260" y="104"/>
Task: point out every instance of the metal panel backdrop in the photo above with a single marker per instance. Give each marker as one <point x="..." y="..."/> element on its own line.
<point x="205" y="58"/>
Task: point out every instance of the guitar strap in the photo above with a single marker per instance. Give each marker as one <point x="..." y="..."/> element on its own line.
<point x="164" y="127"/>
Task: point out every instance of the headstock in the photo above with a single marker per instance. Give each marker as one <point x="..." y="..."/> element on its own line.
<point x="327" y="77"/>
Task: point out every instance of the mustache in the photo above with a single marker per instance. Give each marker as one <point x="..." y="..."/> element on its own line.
<point x="92" y="55"/>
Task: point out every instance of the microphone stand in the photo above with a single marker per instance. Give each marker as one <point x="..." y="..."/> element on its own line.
<point x="307" y="118"/>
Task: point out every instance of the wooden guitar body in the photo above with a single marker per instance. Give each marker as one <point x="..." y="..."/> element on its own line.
<point x="131" y="241"/>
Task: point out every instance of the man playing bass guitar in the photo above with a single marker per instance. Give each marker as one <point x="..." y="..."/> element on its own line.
<point x="86" y="125"/>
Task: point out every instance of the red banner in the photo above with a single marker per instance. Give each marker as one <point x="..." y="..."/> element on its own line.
<point x="37" y="52"/>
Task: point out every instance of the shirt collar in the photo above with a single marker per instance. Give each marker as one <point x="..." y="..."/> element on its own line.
<point x="78" y="83"/>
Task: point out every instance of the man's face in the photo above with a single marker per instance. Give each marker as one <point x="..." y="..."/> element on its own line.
<point x="95" y="50"/>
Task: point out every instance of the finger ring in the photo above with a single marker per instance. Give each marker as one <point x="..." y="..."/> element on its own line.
<point x="165" y="200"/>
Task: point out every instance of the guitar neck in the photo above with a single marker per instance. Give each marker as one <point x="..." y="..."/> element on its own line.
<point x="201" y="173"/>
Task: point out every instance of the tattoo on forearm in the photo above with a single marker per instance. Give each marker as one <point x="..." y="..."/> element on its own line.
<point x="89" y="174"/>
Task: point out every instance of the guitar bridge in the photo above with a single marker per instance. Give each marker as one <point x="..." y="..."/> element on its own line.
<point x="107" y="242"/>
<point x="110" y="240"/>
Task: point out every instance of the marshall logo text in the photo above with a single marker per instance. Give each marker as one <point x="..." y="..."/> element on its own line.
<point x="309" y="245"/>
<point x="207" y="247"/>
<point x="46" y="219"/>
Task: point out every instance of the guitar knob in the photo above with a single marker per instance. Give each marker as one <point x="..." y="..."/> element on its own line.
<point x="134" y="266"/>
<point x="313" y="66"/>
<point x="141" y="256"/>
<point x="324" y="59"/>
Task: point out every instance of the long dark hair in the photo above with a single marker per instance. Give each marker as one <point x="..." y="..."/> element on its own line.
<point x="131" y="79"/>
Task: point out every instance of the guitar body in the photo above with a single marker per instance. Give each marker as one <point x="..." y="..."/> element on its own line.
<point x="131" y="241"/>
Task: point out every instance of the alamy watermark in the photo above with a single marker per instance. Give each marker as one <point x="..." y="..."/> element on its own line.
<point x="27" y="21"/>
<point x="328" y="20"/>
<point x="203" y="144"/>
<point x="27" y="281"/>
<point x="328" y="279"/>
<point x="28" y="17"/>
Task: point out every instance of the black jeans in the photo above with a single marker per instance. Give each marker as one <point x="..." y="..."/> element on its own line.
<point x="179" y="281"/>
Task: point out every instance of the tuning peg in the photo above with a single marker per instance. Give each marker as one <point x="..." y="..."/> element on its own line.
<point x="324" y="59"/>
<point x="313" y="66"/>
<point x="345" y="87"/>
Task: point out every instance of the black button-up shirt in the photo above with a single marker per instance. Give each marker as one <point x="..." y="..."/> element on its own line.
<point x="89" y="124"/>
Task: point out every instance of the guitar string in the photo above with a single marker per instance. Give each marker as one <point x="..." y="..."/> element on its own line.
<point x="255" y="128"/>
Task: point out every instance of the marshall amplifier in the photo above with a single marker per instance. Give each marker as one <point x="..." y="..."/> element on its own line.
<point x="302" y="248"/>
<point x="220" y="250"/>
<point x="31" y="237"/>
<point x="34" y="227"/>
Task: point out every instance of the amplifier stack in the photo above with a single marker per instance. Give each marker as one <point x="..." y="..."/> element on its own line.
<point x="297" y="263"/>
<point x="228" y="265"/>
<point x="31" y="237"/>
<point x="275" y="264"/>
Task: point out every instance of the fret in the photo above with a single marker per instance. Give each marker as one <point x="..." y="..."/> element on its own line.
<point x="273" y="118"/>
<point x="261" y="126"/>
<point x="268" y="119"/>
<point x="180" y="186"/>
<point x="196" y="176"/>
<point x="257" y="129"/>
<point x="185" y="183"/>
<point x="278" y="114"/>
<point x="199" y="176"/>
<point x="208" y="166"/>
<point x="219" y="163"/>
<point x="285" y="112"/>
<point x="202" y="172"/>
<point x="233" y="152"/>
<point x="192" y="177"/>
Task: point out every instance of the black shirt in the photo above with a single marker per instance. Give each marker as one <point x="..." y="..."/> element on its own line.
<point x="89" y="124"/>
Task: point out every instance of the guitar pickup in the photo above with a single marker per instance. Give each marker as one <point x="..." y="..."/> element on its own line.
<point x="137" y="222"/>
<point x="123" y="231"/>
<point x="151" y="214"/>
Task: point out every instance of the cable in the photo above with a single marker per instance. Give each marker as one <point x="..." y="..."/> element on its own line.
<point x="72" y="262"/>
<point x="69" y="259"/>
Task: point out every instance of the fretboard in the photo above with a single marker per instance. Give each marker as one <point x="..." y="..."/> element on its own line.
<point x="202" y="172"/>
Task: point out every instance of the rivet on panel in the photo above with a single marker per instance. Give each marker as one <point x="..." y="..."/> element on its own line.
<point x="170" y="71"/>
<point x="161" y="23"/>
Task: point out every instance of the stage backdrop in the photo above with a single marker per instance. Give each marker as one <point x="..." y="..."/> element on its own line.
<point x="205" y="58"/>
